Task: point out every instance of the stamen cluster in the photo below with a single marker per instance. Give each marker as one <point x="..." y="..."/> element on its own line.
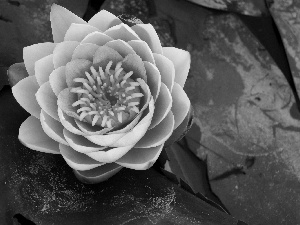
<point x="107" y="98"/>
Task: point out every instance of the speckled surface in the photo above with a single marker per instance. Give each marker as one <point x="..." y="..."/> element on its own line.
<point x="44" y="189"/>
<point x="243" y="106"/>
<point x="246" y="7"/>
<point x="26" y="22"/>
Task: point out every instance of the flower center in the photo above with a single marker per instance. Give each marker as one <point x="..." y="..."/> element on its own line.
<point x="107" y="98"/>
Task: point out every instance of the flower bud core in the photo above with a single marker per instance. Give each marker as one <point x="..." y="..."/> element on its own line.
<point x="107" y="98"/>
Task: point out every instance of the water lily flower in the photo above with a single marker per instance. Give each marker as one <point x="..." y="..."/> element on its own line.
<point x="103" y="95"/>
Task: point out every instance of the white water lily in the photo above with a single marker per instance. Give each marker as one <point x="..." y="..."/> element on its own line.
<point x="104" y="95"/>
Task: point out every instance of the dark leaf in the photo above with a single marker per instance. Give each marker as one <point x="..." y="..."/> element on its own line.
<point x="285" y="17"/>
<point x="182" y="129"/>
<point x="130" y="20"/>
<point x="3" y="77"/>
<point x="191" y="172"/>
<point x="23" y="23"/>
<point x="245" y="109"/>
<point x="40" y="188"/>
<point x="246" y="7"/>
<point x="265" y="30"/>
<point x="16" y="72"/>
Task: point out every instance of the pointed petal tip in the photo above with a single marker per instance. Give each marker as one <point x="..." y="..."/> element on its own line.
<point x="99" y="174"/>
<point x="182" y="62"/>
<point x="61" y="19"/>
<point x="24" y="93"/>
<point x="32" y="135"/>
<point x="140" y="158"/>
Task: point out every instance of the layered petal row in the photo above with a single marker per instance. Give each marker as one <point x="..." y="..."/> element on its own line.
<point x="103" y="95"/>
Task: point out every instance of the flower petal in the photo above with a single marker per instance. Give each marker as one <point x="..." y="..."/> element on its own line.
<point x="140" y="158"/>
<point x="104" y="20"/>
<point x="182" y="129"/>
<point x="121" y="47"/>
<point x="88" y="129"/>
<point x="62" y="53"/>
<point x="35" y="52"/>
<point x="105" y="139"/>
<point x="98" y="174"/>
<point x="159" y="134"/>
<point x="143" y="50"/>
<point x="181" y="104"/>
<point x="123" y="32"/>
<point x="76" y="69"/>
<point x="24" y="92"/>
<point x="110" y="155"/>
<point x="147" y="33"/>
<point x="133" y="136"/>
<point x="43" y="68"/>
<point x="77" y="160"/>
<point x="80" y="143"/>
<point x="77" y="32"/>
<point x="85" y="51"/>
<point x="166" y="69"/>
<point x="65" y="101"/>
<point x="133" y="62"/>
<point x="31" y="135"/>
<point x="68" y="122"/>
<point x="129" y="126"/>
<point x="57" y="80"/>
<point x="47" y="100"/>
<point x="153" y="79"/>
<point x="163" y="105"/>
<point x="181" y="60"/>
<point x="105" y="54"/>
<point x="61" y="19"/>
<point x="52" y="128"/>
<point x="96" y="38"/>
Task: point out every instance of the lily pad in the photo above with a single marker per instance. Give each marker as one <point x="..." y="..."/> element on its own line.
<point x="3" y="78"/>
<point x="26" y="22"/>
<point x="246" y="112"/>
<point x="285" y="15"/>
<point x="246" y="7"/>
<point x="41" y="188"/>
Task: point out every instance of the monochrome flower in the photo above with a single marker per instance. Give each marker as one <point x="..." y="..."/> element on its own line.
<point x="103" y="95"/>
